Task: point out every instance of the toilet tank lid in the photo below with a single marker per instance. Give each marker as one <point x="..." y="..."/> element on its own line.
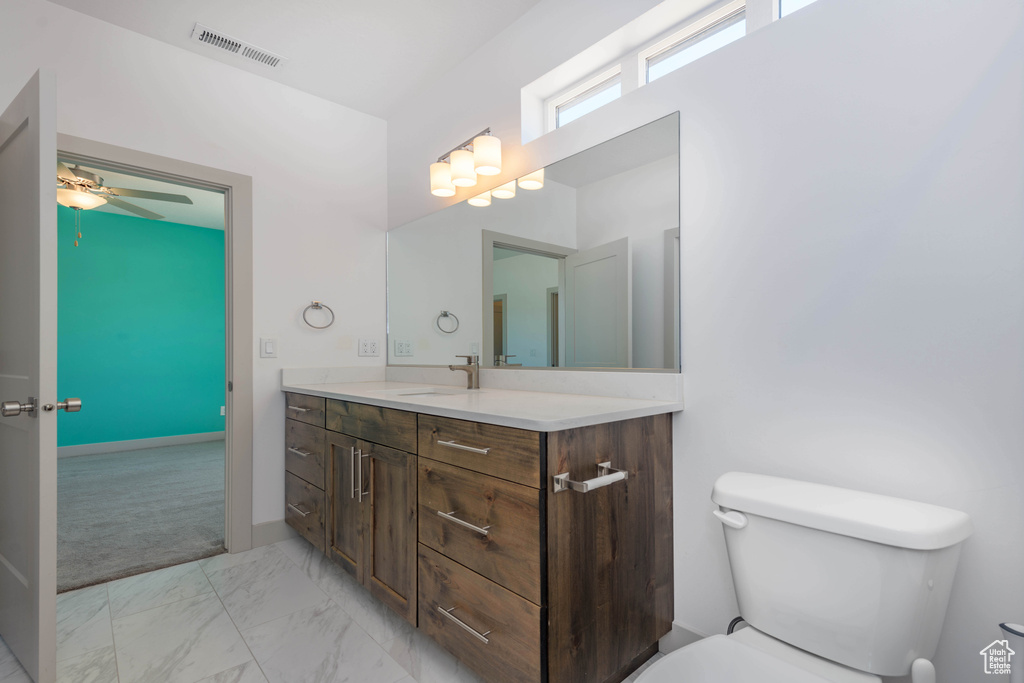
<point x="868" y="516"/>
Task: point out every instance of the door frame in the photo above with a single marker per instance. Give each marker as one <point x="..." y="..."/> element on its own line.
<point x="238" y="296"/>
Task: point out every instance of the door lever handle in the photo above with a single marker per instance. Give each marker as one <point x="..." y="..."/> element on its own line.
<point x="14" y="408"/>
<point x="68" y="405"/>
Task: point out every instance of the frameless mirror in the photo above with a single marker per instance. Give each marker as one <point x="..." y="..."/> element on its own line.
<point x="580" y="273"/>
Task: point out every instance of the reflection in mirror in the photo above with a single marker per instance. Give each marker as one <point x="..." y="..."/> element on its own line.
<point x="581" y="273"/>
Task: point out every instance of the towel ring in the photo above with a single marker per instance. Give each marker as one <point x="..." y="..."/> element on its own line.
<point x="316" y="306"/>
<point x="446" y="314"/>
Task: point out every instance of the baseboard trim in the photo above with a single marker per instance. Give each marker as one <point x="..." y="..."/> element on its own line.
<point x="679" y="636"/>
<point x="137" y="444"/>
<point x="271" y="532"/>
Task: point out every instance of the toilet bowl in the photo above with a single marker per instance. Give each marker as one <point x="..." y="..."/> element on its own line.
<point x="748" y="656"/>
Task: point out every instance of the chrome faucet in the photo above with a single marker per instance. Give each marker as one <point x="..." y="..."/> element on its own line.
<point x="472" y="370"/>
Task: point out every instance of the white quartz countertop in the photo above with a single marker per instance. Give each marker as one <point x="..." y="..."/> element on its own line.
<point x="534" y="410"/>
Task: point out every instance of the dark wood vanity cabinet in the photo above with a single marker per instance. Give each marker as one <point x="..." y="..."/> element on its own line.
<point x="458" y="527"/>
<point x="371" y="518"/>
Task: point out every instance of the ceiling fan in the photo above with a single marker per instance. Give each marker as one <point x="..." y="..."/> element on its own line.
<point x="81" y="189"/>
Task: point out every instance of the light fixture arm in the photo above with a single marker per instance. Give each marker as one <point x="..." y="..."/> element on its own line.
<point x="468" y="144"/>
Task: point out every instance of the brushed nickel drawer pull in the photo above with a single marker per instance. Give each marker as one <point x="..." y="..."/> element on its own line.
<point x="298" y="452"/>
<point x="608" y="475"/>
<point x="482" y="637"/>
<point x="301" y="410"/>
<point x="304" y="514"/>
<point x="450" y="516"/>
<point x="452" y="444"/>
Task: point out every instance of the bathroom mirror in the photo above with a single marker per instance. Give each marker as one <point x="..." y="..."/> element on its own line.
<point x="580" y="273"/>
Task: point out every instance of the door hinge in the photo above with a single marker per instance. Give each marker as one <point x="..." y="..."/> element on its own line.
<point x="231" y="386"/>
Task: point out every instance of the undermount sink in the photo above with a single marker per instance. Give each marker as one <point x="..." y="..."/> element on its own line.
<point x="426" y="391"/>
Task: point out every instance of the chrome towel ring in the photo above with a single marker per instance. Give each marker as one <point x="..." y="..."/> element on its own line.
<point x="447" y="314"/>
<point x="316" y="306"/>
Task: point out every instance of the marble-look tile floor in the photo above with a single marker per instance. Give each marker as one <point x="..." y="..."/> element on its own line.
<point x="278" y="614"/>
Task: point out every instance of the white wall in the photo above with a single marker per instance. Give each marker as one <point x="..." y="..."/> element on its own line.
<point x="853" y="262"/>
<point x="319" y="190"/>
<point x="641" y="203"/>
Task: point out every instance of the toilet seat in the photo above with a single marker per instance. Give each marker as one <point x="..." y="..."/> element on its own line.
<point x="748" y="656"/>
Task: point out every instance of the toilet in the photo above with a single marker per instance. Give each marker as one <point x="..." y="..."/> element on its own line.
<point x="836" y="586"/>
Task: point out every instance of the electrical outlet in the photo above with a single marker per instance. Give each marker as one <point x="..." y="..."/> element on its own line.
<point x="403" y="348"/>
<point x="222" y="411"/>
<point x="369" y="347"/>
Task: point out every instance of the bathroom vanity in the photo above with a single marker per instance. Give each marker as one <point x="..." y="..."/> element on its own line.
<point x="529" y="534"/>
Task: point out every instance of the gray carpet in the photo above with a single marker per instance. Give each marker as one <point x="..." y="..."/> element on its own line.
<point x="120" y="514"/>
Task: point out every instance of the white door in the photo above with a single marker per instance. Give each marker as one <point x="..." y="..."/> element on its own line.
<point x="598" y="307"/>
<point x="28" y="376"/>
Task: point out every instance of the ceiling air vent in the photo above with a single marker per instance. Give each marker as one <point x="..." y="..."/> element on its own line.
<point x="205" y="34"/>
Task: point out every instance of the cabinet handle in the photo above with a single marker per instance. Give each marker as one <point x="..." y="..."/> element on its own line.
<point x="357" y="478"/>
<point x="459" y="446"/>
<point x="450" y="516"/>
<point x="304" y="514"/>
<point x="482" y="637"/>
<point x="298" y="452"/>
<point x="608" y="475"/>
<point x="301" y="410"/>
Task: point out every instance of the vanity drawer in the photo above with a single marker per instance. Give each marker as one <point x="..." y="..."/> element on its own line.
<point x="503" y="452"/>
<point x="304" y="451"/>
<point x="304" y="509"/>
<point x="395" y="428"/>
<point x="511" y="652"/>
<point x="304" y="408"/>
<point x="508" y="550"/>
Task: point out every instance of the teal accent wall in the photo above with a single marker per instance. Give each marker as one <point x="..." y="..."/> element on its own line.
<point x="140" y="328"/>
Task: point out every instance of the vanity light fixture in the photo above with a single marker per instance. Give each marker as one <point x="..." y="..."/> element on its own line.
<point x="506" y="191"/>
<point x="482" y="199"/>
<point x="463" y="174"/>
<point x="459" y="167"/>
<point x="487" y="155"/>
<point x="441" y="179"/>
<point x="532" y="181"/>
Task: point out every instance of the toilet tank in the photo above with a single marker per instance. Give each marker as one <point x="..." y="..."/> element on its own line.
<point x="857" y="578"/>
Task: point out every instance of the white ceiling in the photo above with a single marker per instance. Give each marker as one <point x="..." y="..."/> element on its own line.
<point x="365" y="54"/>
<point x="206" y="210"/>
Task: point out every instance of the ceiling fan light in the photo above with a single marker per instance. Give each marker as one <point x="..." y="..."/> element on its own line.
<point x="463" y="174"/>
<point x="532" y="181"/>
<point x="506" y="191"/>
<point x="487" y="155"/>
<point x="78" y="199"/>
<point x="482" y="199"/>
<point x="441" y="180"/>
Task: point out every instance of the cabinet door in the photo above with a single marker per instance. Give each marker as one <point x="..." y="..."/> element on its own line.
<point x="391" y="537"/>
<point x="609" y="550"/>
<point x="348" y="503"/>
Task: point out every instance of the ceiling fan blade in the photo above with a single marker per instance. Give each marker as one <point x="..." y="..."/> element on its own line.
<point x="137" y="210"/>
<point x="64" y="173"/>
<point x="146" y="194"/>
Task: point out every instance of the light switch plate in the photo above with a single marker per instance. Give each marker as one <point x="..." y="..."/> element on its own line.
<point x="268" y="347"/>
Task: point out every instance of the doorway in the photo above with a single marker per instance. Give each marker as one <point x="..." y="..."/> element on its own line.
<point x="236" y="190"/>
<point x="141" y="323"/>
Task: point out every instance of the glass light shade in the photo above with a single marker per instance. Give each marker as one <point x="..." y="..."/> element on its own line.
<point x="532" y="181"/>
<point x="506" y="191"/>
<point x="482" y="199"/>
<point x="463" y="174"/>
<point x="441" y="180"/>
<point x="487" y="155"/>
<point x="78" y="199"/>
